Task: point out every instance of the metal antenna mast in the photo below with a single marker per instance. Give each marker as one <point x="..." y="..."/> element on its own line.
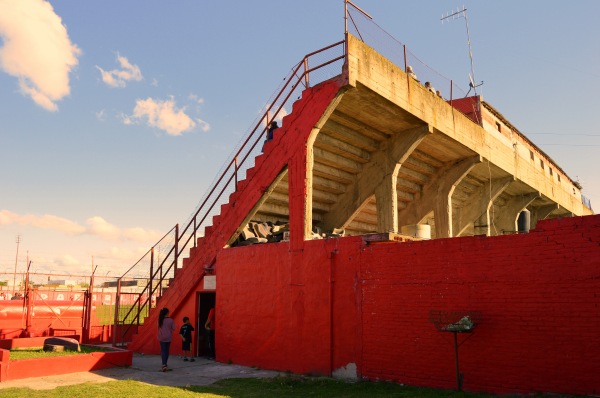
<point x="456" y="15"/>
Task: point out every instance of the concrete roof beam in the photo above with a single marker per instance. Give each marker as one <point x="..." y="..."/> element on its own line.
<point x="378" y="177"/>
<point x="476" y="209"/>
<point x="505" y="221"/>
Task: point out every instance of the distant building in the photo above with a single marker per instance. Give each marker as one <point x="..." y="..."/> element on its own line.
<point x="62" y="282"/>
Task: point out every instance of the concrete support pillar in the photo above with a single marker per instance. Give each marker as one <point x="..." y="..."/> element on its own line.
<point x="308" y="183"/>
<point x="476" y="212"/>
<point x="378" y="177"/>
<point x="436" y="196"/>
<point x="481" y="226"/>
<point x="540" y="213"/>
<point x="443" y="206"/>
<point x="443" y="215"/>
<point x="506" y="216"/>
<point x="387" y="203"/>
<point x="299" y="220"/>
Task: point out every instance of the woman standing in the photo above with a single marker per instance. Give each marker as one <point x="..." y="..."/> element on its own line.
<point x="166" y="327"/>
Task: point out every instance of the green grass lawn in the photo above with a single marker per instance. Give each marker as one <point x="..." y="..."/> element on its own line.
<point x="288" y="387"/>
<point x="30" y="353"/>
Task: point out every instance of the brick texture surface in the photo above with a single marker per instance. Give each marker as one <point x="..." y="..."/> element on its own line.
<point x="340" y="301"/>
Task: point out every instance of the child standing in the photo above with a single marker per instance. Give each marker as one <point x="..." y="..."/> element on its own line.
<point x="186" y="334"/>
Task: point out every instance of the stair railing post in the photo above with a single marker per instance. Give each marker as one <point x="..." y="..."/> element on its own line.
<point x="116" y="317"/>
<point x="306" y="82"/>
<point x="139" y="311"/>
<point x="195" y="229"/>
<point x="88" y="314"/>
<point x="236" y="172"/>
<point x="176" y="253"/>
<point x="160" y="279"/>
<point x="150" y="283"/>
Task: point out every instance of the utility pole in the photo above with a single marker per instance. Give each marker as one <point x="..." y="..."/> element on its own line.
<point x="16" y="261"/>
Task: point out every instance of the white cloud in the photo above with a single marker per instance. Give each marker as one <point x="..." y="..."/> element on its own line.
<point x="96" y="226"/>
<point x="196" y="99"/>
<point x="163" y="115"/>
<point x="124" y="257"/>
<point x="282" y="113"/>
<point x="140" y="235"/>
<point x="43" y="222"/>
<point x="120" y="77"/>
<point x="99" y="227"/>
<point x="127" y="120"/>
<point x="37" y="50"/>
<point x="67" y="261"/>
<point x="203" y="125"/>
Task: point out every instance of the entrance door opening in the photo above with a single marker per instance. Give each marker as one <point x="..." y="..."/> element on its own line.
<point x="206" y="301"/>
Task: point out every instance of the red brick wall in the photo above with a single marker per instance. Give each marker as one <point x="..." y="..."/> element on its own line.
<point x="275" y="307"/>
<point x="538" y="295"/>
<point x="340" y="302"/>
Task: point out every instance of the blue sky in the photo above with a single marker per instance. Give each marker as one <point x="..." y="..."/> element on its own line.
<point x="115" y="116"/>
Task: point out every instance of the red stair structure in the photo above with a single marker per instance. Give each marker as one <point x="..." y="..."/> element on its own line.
<point x="279" y="154"/>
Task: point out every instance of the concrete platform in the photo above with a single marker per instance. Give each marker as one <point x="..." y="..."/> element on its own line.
<point x="146" y="369"/>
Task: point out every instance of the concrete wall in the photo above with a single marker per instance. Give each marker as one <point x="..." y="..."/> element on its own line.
<point x="374" y="71"/>
<point x="343" y="307"/>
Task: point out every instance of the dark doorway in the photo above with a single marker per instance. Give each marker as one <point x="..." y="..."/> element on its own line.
<point x="206" y="301"/>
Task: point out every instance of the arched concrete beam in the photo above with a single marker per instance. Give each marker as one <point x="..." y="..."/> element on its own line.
<point x="477" y="207"/>
<point x="378" y="177"/>
<point x="506" y="219"/>
<point x="436" y="196"/>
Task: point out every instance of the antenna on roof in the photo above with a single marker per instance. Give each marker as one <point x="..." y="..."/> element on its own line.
<point x="457" y="15"/>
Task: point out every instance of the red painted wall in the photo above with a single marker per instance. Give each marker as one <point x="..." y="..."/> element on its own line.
<point x="338" y="302"/>
<point x="38" y="367"/>
<point x="469" y="106"/>
<point x="287" y="148"/>
<point x="48" y="316"/>
<point x="325" y="305"/>
<point x="276" y="307"/>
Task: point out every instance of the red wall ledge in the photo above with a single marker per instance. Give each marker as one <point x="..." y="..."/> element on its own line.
<point x="24" y="368"/>
<point x="30" y="342"/>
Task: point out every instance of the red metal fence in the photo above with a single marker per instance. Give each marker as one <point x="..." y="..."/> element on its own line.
<point x="45" y="305"/>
